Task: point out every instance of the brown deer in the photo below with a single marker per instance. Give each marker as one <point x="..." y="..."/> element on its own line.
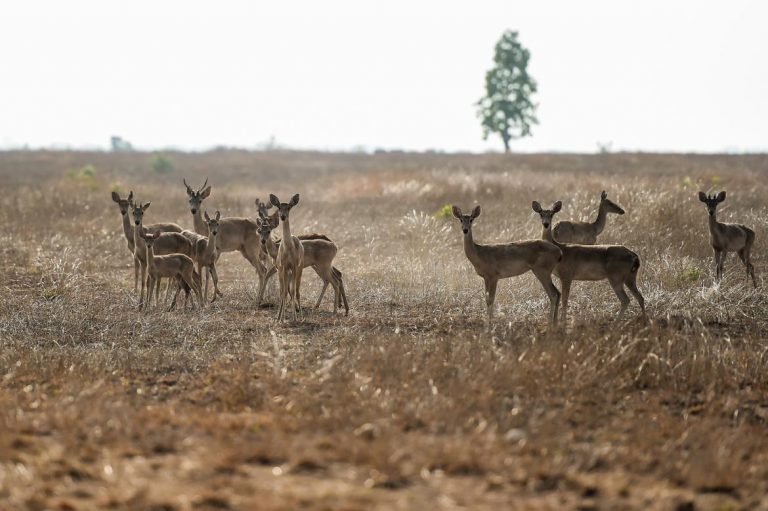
<point x="728" y="238"/>
<point x="614" y="263"/>
<point x="290" y="259"/>
<point x="495" y="262"/>
<point x="125" y="206"/>
<point x="586" y="233"/>
<point x="167" y="243"/>
<point x="319" y="252"/>
<point x="178" y="267"/>
<point x="235" y="234"/>
<point x="205" y="254"/>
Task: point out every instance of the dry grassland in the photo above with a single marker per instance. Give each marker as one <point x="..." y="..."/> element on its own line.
<point x="409" y="403"/>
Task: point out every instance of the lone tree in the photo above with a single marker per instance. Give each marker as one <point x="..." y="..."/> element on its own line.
<point x="507" y="108"/>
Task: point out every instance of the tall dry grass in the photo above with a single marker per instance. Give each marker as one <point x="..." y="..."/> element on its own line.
<point x="409" y="402"/>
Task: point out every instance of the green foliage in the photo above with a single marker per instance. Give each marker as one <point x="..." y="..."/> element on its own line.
<point x="444" y="212"/>
<point x="162" y="164"/>
<point x="691" y="275"/>
<point x="85" y="175"/>
<point x="507" y="109"/>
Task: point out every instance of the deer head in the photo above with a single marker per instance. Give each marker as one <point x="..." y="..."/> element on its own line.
<point x="283" y="208"/>
<point x="712" y="201"/>
<point x="138" y="210"/>
<point x="196" y="197"/>
<point x="263" y="208"/>
<point x="213" y="223"/>
<point x="547" y="214"/>
<point x="123" y="204"/>
<point x="466" y="220"/>
<point x="609" y="205"/>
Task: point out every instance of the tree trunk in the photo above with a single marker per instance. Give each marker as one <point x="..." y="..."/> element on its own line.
<point x="506" y="143"/>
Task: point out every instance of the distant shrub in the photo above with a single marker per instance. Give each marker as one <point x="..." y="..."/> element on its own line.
<point x="84" y="175"/>
<point x="444" y="212"/>
<point x="161" y="164"/>
<point x="716" y="180"/>
<point x="687" y="181"/>
<point x="691" y="274"/>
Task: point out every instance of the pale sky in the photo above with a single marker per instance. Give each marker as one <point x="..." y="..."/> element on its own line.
<point x="685" y="75"/>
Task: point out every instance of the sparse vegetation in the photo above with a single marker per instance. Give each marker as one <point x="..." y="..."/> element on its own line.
<point x="162" y="164"/>
<point x="408" y="403"/>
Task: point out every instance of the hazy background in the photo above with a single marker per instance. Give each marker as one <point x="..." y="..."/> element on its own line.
<point x="655" y="76"/>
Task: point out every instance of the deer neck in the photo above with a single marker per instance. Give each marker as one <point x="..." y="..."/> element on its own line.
<point x="599" y="223"/>
<point x="546" y="235"/>
<point x="271" y="247"/>
<point x="714" y="225"/>
<point x="197" y="220"/>
<point x="286" y="231"/>
<point x="128" y="230"/>
<point x="150" y="258"/>
<point x="470" y="248"/>
<point x="139" y="247"/>
<point x="210" y="247"/>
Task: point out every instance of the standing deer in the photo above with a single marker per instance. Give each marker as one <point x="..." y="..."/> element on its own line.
<point x="290" y="259"/>
<point x="614" y="263"/>
<point x="167" y="243"/>
<point x="235" y="234"/>
<point x="125" y="205"/>
<point x="586" y="233"/>
<point x="319" y="252"/>
<point x="178" y="267"/>
<point x="494" y="262"/>
<point x="205" y="252"/>
<point x="728" y="237"/>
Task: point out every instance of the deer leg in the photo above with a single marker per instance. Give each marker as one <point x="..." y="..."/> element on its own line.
<point x="490" y="296"/>
<point x="297" y="290"/>
<point x="554" y="295"/>
<point x="283" y="290"/>
<point x="632" y="286"/>
<point x="175" y="295"/>
<point x="136" y="271"/>
<point x="744" y="255"/>
<point x="618" y="288"/>
<point x="143" y="282"/>
<point x="565" y="289"/>
<point x="196" y="285"/>
<point x="343" y="294"/>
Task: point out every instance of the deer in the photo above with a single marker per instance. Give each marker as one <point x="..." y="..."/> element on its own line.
<point x="586" y="233"/>
<point x="235" y="234"/>
<point x="168" y="243"/>
<point x="289" y="260"/>
<point x="728" y="237"/>
<point x="125" y="205"/>
<point x="501" y="261"/>
<point x="179" y="267"/>
<point x="614" y="263"/>
<point x="205" y="254"/>
<point x="319" y="252"/>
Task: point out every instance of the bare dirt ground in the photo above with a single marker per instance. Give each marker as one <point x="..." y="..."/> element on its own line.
<point x="410" y="402"/>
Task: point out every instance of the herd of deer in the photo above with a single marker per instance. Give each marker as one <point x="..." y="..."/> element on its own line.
<point x="166" y="250"/>
<point x="567" y="249"/>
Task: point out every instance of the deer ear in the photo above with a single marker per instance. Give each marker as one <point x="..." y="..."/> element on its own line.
<point x="475" y="212"/>
<point x="218" y="215"/>
<point x="115" y="197"/>
<point x="130" y="197"/>
<point x="146" y="206"/>
<point x="274" y="221"/>
<point x="456" y="212"/>
<point x="536" y="206"/>
<point x="274" y="200"/>
<point x="294" y="200"/>
<point x="557" y="206"/>
<point x="721" y="196"/>
<point x="702" y="197"/>
<point x="603" y="195"/>
<point x="207" y="218"/>
<point x="205" y="193"/>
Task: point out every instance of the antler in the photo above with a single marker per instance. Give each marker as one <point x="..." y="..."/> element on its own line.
<point x="189" y="188"/>
<point x="202" y="187"/>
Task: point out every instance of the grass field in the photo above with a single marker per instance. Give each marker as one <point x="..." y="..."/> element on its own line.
<point x="410" y="402"/>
